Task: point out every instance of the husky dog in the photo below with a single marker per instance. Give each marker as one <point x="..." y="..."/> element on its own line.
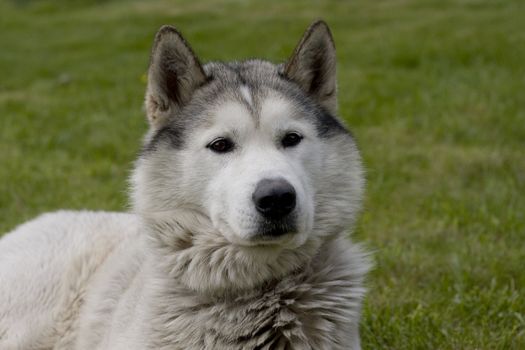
<point x="241" y="197"/>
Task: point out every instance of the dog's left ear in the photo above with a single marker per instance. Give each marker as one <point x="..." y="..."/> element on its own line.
<point x="173" y="76"/>
<point x="313" y="65"/>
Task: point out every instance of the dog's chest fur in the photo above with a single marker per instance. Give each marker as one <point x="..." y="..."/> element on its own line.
<point x="316" y="308"/>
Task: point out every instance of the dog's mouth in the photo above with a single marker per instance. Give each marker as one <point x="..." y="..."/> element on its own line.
<point x="274" y="230"/>
<point x="273" y="233"/>
<point x="264" y="233"/>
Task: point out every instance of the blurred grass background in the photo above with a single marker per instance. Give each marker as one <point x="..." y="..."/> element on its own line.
<point x="433" y="90"/>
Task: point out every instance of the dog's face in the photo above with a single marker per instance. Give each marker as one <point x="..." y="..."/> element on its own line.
<point x="252" y="147"/>
<point x="257" y="159"/>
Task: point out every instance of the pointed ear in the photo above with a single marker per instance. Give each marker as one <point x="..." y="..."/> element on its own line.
<point x="313" y="65"/>
<point x="174" y="74"/>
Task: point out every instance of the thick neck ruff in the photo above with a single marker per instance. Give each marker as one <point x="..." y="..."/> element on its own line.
<point x="207" y="263"/>
<point x="226" y="297"/>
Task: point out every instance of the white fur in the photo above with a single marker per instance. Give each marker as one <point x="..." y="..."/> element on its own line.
<point x="46" y="266"/>
<point x="258" y="156"/>
<point x="247" y="95"/>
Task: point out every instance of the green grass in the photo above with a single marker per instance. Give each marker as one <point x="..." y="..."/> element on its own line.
<point x="433" y="90"/>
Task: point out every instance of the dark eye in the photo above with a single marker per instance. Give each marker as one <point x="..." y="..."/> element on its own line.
<point x="291" y="139"/>
<point x="221" y="145"/>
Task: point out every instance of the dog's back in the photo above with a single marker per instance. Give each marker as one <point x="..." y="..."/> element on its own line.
<point x="46" y="266"/>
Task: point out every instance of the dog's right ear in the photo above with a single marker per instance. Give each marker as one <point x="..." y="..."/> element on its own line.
<point x="313" y="65"/>
<point x="174" y="74"/>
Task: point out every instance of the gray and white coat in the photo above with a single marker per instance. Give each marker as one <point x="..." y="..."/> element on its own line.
<point x="198" y="264"/>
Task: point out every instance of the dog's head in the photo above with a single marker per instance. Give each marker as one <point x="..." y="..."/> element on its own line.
<point x="246" y="158"/>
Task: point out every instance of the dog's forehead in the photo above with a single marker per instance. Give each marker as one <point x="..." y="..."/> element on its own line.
<point x="249" y="107"/>
<point x="256" y="89"/>
<point x="263" y="90"/>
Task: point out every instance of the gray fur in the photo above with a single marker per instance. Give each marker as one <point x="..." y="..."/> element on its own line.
<point x="186" y="270"/>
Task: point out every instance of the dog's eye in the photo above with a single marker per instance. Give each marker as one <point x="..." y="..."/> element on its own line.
<point x="221" y="145"/>
<point x="291" y="139"/>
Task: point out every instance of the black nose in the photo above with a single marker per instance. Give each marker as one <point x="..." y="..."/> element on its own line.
<point x="274" y="198"/>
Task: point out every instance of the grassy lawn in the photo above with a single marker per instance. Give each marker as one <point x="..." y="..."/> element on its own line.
<point x="433" y="90"/>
